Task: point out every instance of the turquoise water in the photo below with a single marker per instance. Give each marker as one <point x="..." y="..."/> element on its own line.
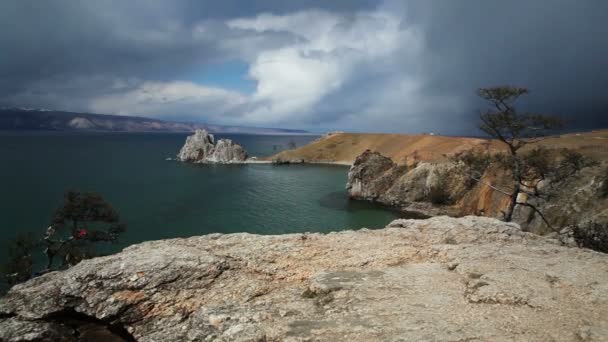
<point x="164" y="199"/>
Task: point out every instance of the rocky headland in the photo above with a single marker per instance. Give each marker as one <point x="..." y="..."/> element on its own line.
<point x="408" y="171"/>
<point x="440" y="279"/>
<point x="202" y="148"/>
<point x="575" y="201"/>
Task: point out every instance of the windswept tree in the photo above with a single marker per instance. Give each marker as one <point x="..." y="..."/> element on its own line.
<point x="516" y="130"/>
<point x="82" y="220"/>
<point x="503" y="122"/>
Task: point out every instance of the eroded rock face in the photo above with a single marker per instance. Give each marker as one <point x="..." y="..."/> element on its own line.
<point x="377" y="178"/>
<point x="201" y="148"/>
<point x="574" y="201"/>
<point x="441" y="279"/>
<point x="368" y="178"/>
<point x="227" y="151"/>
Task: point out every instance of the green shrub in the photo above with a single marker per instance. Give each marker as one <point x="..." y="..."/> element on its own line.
<point x="569" y="163"/>
<point x="476" y="162"/>
<point x="439" y="194"/>
<point x="538" y="162"/>
<point x="593" y="236"/>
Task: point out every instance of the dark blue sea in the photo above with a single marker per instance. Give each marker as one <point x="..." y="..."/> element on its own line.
<point x="160" y="199"/>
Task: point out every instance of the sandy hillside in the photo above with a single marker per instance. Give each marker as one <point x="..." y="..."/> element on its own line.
<point x="345" y="147"/>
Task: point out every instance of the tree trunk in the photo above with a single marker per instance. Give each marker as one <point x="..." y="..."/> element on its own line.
<point x="512" y="203"/>
<point x="517" y="188"/>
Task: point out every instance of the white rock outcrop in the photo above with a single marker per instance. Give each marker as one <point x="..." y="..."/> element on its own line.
<point x="202" y="148"/>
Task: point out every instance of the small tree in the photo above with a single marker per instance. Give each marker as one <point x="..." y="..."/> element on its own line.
<point x="291" y="145"/>
<point x="84" y="218"/>
<point x="516" y="130"/>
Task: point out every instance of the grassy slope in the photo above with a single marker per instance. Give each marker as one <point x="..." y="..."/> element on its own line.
<point x="345" y="147"/>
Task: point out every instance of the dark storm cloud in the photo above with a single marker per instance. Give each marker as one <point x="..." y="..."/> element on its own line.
<point x="45" y="38"/>
<point x="62" y="53"/>
<point x="134" y="54"/>
<point x="557" y="49"/>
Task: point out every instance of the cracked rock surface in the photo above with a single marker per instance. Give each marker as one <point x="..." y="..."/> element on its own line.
<point x="444" y="279"/>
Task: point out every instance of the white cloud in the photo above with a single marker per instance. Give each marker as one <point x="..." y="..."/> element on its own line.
<point x="312" y="69"/>
<point x="327" y="54"/>
<point x="170" y="98"/>
<point x="404" y="66"/>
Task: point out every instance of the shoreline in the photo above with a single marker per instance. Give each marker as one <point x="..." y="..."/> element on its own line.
<point x="253" y="162"/>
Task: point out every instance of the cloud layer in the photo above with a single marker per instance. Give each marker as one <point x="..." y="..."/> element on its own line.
<point x="357" y="65"/>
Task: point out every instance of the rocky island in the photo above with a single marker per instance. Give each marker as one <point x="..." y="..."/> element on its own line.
<point x="441" y="279"/>
<point x="202" y="148"/>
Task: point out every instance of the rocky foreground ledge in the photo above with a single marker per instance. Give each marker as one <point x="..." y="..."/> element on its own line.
<point x="447" y="279"/>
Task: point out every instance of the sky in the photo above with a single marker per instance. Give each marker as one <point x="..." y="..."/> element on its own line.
<point x="369" y="66"/>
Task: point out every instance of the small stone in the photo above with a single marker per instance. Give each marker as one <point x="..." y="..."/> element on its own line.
<point x="217" y="320"/>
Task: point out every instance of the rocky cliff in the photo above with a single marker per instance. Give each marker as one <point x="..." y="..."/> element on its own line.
<point x="201" y="148"/>
<point x="441" y="279"/>
<point x="444" y="187"/>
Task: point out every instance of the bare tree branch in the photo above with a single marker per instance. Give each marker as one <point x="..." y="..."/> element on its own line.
<point x="490" y="185"/>
<point x="538" y="212"/>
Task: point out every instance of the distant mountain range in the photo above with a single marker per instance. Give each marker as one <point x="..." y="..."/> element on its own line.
<point x="53" y="120"/>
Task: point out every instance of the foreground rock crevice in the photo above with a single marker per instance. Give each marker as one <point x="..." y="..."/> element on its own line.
<point x="443" y="278"/>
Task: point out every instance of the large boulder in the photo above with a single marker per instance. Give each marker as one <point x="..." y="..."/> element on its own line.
<point x="441" y="279"/>
<point x="368" y="178"/>
<point x="377" y="178"/>
<point x="227" y="151"/>
<point x="201" y="148"/>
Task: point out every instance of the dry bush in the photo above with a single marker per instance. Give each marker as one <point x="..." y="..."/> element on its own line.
<point x="593" y="236"/>
<point x="439" y="193"/>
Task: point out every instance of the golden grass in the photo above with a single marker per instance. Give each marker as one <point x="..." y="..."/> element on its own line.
<point x="345" y="147"/>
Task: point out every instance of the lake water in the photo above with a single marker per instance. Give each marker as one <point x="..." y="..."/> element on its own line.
<point x="165" y="199"/>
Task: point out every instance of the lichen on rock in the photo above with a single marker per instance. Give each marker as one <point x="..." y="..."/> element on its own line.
<point x="439" y="279"/>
